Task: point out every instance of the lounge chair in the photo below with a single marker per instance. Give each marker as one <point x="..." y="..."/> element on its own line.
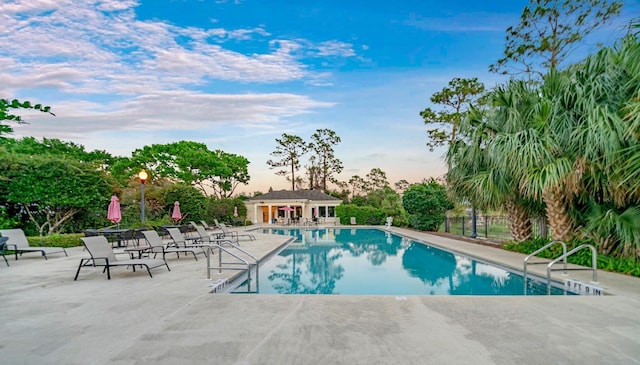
<point x="233" y="234"/>
<point x="179" y="240"/>
<point x="19" y="244"/>
<point x="207" y="227"/>
<point x="206" y="238"/>
<point x="157" y="246"/>
<point x="102" y="255"/>
<point x="3" y="248"/>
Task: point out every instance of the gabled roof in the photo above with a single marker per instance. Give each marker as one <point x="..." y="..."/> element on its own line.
<point x="315" y="195"/>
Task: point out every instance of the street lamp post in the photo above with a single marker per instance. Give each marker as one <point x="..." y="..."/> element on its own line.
<point x="142" y="175"/>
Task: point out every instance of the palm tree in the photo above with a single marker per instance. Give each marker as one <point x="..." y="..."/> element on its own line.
<point x="610" y="116"/>
<point x="479" y="177"/>
<point x="577" y="149"/>
<point x="572" y="142"/>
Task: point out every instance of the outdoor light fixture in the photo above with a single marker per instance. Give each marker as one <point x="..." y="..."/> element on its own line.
<point x="142" y="175"/>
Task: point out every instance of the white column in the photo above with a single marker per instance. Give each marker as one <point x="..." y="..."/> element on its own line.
<point x="255" y="213"/>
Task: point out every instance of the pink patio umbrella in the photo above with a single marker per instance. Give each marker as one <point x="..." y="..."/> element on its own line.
<point x="176" y="215"/>
<point x="235" y="211"/>
<point x="287" y="209"/>
<point x="113" y="212"/>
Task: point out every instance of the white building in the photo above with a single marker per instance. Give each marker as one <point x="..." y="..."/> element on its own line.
<point x="292" y="207"/>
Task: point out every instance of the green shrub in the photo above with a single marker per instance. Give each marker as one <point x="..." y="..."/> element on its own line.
<point x="426" y="203"/>
<point x="57" y="240"/>
<point x="582" y="257"/>
<point x="364" y="215"/>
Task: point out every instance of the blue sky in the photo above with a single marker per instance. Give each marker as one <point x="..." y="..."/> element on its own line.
<point x="235" y="75"/>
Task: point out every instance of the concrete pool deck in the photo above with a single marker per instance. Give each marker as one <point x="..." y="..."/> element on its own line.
<point x="173" y="318"/>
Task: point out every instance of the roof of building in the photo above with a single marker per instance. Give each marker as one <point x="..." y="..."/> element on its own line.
<point x="296" y="194"/>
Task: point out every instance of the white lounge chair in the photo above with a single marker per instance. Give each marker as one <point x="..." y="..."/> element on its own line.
<point x="102" y="255"/>
<point x="19" y="244"/>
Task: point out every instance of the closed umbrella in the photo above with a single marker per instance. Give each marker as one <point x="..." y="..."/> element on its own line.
<point x="113" y="212"/>
<point x="235" y="211"/>
<point x="176" y="215"/>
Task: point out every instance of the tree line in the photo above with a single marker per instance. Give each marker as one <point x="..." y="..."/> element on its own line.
<point x="53" y="186"/>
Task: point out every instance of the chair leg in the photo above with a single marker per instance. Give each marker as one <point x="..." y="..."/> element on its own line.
<point x="148" y="270"/>
<point x="79" y="267"/>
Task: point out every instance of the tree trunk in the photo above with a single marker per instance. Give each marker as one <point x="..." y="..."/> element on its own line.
<point x="519" y="223"/>
<point x="559" y="220"/>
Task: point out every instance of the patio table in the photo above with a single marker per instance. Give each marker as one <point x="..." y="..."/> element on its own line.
<point x="115" y="234"/>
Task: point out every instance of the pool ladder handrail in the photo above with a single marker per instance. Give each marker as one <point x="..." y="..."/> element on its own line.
<point x="594" y="264"/>
<point x="534" y="253"/>
<point x="247" y="265"/>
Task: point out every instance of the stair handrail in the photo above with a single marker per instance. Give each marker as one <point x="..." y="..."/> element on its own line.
<point x="534" y="253"/>
<point x="594" y="264"/>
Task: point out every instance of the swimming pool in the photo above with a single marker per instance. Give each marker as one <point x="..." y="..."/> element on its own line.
<point x="375" y="262"/>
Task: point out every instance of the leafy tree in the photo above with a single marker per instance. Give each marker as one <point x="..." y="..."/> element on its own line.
<point x="288" y="152"/>
<point x="6" y="107"/>
<point x="549" y="31"/>
<point x="376" y="179"/>
<point x="358" y="185"/>
<point x="222" y="209"/>
<point x="193" y="204"/>
<point x="456" y="100"/>
<point x="426" y="203"/>
<point x="55" y="147"/>
<point x="237" y="172"/>
<point x="402" y="185"/>
<point x="191" y="163"/>
<point x="313" y="173"/>
<point x="322" y="143"/>
<point x="52" y="190"/>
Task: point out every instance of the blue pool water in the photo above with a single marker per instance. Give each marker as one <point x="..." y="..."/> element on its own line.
<point x="374" y="262"/>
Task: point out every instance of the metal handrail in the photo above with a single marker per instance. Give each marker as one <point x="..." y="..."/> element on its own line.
<point x="594" y="264"/>
<point x="247" y="265"/>
<point x="526" y="259"/>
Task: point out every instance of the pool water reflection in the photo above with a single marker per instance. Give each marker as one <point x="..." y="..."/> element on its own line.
<point x="375" y="262"/>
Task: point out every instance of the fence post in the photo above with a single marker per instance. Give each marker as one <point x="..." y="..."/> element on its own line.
<point x="462" y="225"/>
<point x="474" y="225"/>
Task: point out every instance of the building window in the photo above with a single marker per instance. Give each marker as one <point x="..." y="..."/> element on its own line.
<point x="323" y="211"/>
<point x="332" y="212"/>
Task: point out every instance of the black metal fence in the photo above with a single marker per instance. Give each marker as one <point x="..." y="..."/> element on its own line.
<point x="493" y="228"/>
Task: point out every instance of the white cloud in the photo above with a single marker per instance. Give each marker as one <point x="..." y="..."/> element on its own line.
<point x="103" y="40"/>
<point x="168" y="111"/>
